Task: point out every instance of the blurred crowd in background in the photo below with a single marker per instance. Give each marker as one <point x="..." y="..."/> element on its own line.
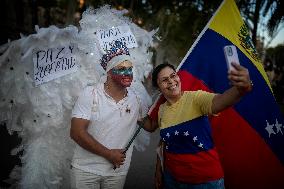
<point x="276" y="78"/>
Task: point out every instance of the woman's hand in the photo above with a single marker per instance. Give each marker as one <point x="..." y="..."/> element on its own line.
<point x="241" y="85"/>
<point x="239" y="78"/>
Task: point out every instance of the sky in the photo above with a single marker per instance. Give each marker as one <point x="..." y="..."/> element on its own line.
<point x="279" y="39"/>
<point x="262" y="27"/>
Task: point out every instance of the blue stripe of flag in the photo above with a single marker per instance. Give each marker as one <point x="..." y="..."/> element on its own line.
<point x="188" y="137"/>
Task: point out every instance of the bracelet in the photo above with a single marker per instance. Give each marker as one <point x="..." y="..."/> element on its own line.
<point x="251" y="85"/>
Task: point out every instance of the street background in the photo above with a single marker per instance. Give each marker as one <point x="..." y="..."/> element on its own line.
<point x="142" y="168"/>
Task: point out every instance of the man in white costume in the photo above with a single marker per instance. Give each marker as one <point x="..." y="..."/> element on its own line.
<point x="104" y="119"/>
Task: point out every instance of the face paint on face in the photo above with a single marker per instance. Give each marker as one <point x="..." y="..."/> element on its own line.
<point x="122" y="80"/>
<point x="122" y="71"/>
<point x="122" y="74"/>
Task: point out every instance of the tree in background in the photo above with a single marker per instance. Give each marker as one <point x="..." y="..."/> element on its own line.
<point x="262" y="16"/>
<point x="179" y="23"/>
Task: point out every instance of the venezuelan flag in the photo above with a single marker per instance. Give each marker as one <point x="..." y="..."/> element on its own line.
<point x="249" y="137"/>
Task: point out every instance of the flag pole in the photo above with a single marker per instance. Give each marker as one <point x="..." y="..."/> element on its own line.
<point x="131" y="141"/>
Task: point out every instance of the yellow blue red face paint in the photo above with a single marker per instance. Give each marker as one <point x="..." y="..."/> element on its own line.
<point x="122" y="71"/>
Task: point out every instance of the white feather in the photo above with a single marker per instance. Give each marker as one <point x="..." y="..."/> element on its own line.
<point x="41" y="115"/>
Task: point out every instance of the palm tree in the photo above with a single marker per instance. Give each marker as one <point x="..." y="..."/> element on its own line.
<point x="277" y="14"/>
<point x="254" y="12"/>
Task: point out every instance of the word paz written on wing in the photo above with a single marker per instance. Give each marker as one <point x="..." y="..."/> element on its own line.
<point x="52" y="63"/>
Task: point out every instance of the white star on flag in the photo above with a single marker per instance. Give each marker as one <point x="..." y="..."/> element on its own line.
<point x="278" y="127"/>
<point x="176" y="132"/>
<point x="185" y="133"/>
<point x="200" y="145"/>
<point x="269" y="128"/>
<point x="168" y="135"/>
<point x="194" y="138"/>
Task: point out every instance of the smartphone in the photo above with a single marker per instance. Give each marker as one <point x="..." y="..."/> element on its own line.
<point x="231" y="55"/>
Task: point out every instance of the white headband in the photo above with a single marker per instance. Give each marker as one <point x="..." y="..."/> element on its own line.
<point x="117" y="60"/>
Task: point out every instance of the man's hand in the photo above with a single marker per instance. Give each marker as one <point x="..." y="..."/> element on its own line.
<point x="116" y="157"/>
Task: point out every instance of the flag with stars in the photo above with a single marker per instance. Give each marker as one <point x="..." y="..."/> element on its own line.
<point x="249" y="137"/>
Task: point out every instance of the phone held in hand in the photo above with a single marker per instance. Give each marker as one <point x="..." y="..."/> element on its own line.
<point x="231" y="55"/>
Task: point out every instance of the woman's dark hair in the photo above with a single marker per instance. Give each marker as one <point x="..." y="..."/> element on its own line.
<point x="157" y="70"/>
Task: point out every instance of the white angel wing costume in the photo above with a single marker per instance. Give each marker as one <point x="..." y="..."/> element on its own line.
<point x="41" y="112"/>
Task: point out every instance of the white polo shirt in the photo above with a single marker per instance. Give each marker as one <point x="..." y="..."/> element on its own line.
<point x="112" y="124"/>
